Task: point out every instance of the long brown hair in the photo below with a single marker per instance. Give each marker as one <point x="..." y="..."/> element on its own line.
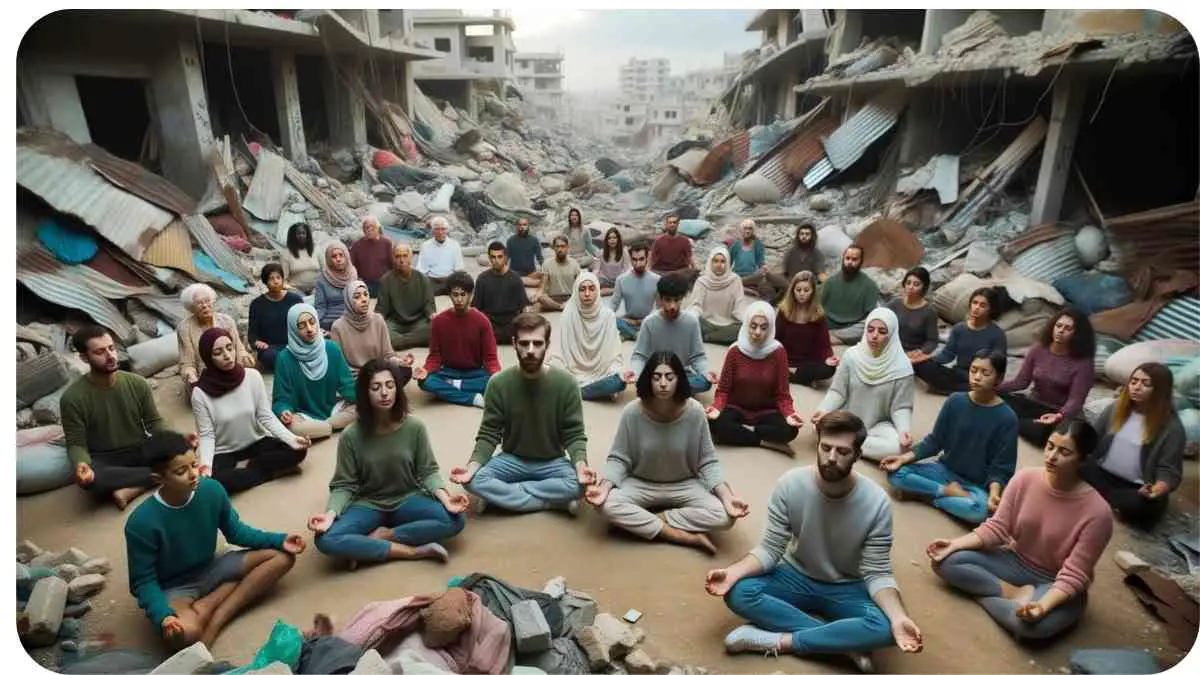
<point x="367" y="417"/>
<point x="787" y="306"/>
<point x="1157" y="409"/>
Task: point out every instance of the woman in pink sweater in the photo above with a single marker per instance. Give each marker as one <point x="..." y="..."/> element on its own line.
<point x="753" y="404"/>
<point x="1031" y="563"/>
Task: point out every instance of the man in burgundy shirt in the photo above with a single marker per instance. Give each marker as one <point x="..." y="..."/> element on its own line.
<point x="462" y="349"/>
<point x="672" y="253"/>
<point x="371" y="255"/>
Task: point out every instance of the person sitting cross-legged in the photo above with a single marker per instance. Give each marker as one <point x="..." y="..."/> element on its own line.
<point x="718" y="300"/>
<point x="535" y="414"/>
<point x="199" y="300"/>
<point x="362" y="334"/>
<point x="826" y="550"/>
<point x="329" y="297"/>
<point x="662" y="459"/>
<point x="587" y="343"/>
<point x="387" y="499"/>
<point x="267" y="330"/>
<point x="800" y="326"/>
<point x="310" y="377"/>
<point x="462" y="349"/>
<point x="560" y="273"/>
<point x="499" y="293"/>
<point x="633" y="292"/>
<point x="406" y="301"/>
<point x="188" y="592"/>
<point x="669" y="329"/>
<point x="440" y="256"/>
<point x="848" y="297"/>
<point x="947" y="370"/>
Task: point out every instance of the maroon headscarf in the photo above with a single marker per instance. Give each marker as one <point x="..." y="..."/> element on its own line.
<point x="214" y="381"/>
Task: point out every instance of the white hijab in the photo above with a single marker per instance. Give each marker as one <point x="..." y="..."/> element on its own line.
<point x="586" y="343"/>
<point x="770" y="344"/>
<point x="891" y="364"/>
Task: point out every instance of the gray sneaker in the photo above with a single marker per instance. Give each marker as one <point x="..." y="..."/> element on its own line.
<point x="750" y="638"/>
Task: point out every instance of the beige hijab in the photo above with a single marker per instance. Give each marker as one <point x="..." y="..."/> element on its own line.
<point x="586" y="342"/>
<point x="719" y="299"/>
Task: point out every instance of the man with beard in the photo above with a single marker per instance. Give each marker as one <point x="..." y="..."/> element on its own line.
<point x="748" y="257"/>
<point x="441" y="257"/>
<point x="525" y="253"/>
<point x="406" y="301"/>
<point x="462" y="349"/>
<point x="499" y="293"/>
<point x="804" y="255"/>
<point x="106" y="417"/>
<point x="672" y="253"/>
<point x="560" y="277"/>
<point x="826" y="549"/>
<point x="372" y="255"/>
<point x="635" y="288"/>
<point x="535" y="414"/>
<point x="848" y="297"/>
<point x="672" y="330"/>
<point x="580" y="246"/>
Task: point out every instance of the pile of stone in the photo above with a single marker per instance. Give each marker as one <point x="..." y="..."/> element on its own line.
<point x="52" y="593"/>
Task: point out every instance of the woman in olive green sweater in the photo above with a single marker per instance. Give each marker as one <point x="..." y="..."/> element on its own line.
<point x="387" y="499"/>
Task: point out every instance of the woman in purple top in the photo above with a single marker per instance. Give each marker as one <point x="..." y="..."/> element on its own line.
<point x="1061" y="368"/>
<point x="611" y="261"/>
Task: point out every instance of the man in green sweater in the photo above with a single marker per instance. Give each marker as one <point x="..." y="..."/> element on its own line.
<point x="535" y="414"/>
<point x="848" y="297"/>
<point x="187" y="591"/>
<point x="406" y="301"/>
<point x="106" y="416"/>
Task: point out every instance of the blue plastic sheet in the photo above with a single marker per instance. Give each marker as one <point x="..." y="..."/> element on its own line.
<point x="205" y="265"/>
<point x="1094" y="292"/>
<point x="69" y="245"/>
<point x="695" y="228"/>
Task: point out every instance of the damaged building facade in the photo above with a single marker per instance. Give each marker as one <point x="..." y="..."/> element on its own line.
<point x="476" y="50"/>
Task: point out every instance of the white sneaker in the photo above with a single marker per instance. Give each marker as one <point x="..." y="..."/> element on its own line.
<point x="573" y="507"/>
<point x="479" y="505"/>
<point x="750" y="638"/>
<point x="477" y="401"/>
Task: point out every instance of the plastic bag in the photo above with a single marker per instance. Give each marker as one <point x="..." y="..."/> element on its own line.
<point x="283" y="645"/>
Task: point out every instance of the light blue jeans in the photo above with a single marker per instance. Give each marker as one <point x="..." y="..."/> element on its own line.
<point x="627" y="330"/>
<point x="928" y="478"/>
<point x="602" y="388"/>
<point x="700" y="384"/>
<point x="525" y="485"/>
<point x="440" y="383"/>
<point x="779" y="600"/>
<point x="417" y="520"/>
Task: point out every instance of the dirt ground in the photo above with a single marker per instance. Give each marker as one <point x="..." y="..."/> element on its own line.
<point x="665" y="582"/>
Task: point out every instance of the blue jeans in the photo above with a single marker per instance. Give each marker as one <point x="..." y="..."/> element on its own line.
<point x="777" y="601"/>
<point x="439" y="383"/>
<point x="700" y="383"/>
<point x="525" y="485"/>
<point x="928" y="478"/>
<point x="417" y="520"/>
<point x="602" y="388"/>
<point x="627" y="331"/>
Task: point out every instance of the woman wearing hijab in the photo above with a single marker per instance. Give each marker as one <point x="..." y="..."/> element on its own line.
<point x="587" y="343"/>
<point x="300" y="266"/>
<point x="339" y="271"/>
<point x="234" y="421"/>
<point x="717" y="300"/>
<point x="874" y="381"/>
<point x="310" y="375"/>
<point x="753" y="404"/>
<point x="363" y="334"/>
<point x="580" y="246"/>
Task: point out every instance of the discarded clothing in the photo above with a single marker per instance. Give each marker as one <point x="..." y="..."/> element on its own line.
<point x="500" y="596"/>
<point x="328" y="655"/>
<point x="1093" y="292"/>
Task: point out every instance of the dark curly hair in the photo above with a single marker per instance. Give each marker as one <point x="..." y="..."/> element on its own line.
<point x="1083" y="340"/>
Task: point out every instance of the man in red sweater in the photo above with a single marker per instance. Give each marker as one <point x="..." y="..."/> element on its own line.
<point x="462" y="349"/>
<point x="672" y="253"/>
<point x="371" y="255"/>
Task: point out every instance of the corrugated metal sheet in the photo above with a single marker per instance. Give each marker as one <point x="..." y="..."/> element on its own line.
<point x="741" y="148"/>
<point x="36" y="260"/>
<point x="172" y="248"/>
<point x="56" y="169"/>
<point x="818" y="173"/>
<point x="136" y="179"/>
<point x="1167" y="238"/>
<point x="773" y="170"/>
<point x="806" y="149"/>
<point x="714" y="164"/>
<point x="993" y="180"/>
<point x="65" y="291"/>
<point x="214" y="246"/>
<point x="265" y="197"/>
<point x="1178" y="320"/>
<point x="1050" y="261"/>
<point x="846" y="146"/>
<point x="339" y="214"/>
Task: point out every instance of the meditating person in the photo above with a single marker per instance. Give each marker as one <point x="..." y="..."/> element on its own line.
<point x="362" y="334"/>
<point x="406" y="301"/>
<point x="300" y="266"/>
<point x="671" y="330"/>
<point x="188" y="592"/>
<point x="848" y="297"/>
<point x="560" y="274"/>
<point x="748" y="258"/>
<point x="973" y="446"/>
<point x="946" y="370"/>
<point x="267" y="327"/>
<point x="499" y="293"/>
<point x="328" y="298"/>
<point x="1062" y="368"/>
<point x="804" y="256"/>
<point x="462" y="349"/>
<point x="800" y="327"/>
<point x="441" y="256"/>
<point x="579" y="240"/>
<point x="672" y="252"/>
<point x="106" y="416"/>
<point x="372" y="254"/>
<point x="634" y="292"/>
<point x="525" y="252"/>
<point x="611" y="261"/>
<point x="1030" y="564"/>
<point x="874" y="381"/>
<point x="313" y="388"/>
<point x="753" y="404"/>
<point x="242" y="443"/>
<point x="535" y="415"/>
<point x="587" y="344"/>
<point x="718" y="300"/>
<point x="198" y="300"/>
<point x="387" y="499"/>
<point x="918" y="320"/>
<point x="662" y="479"/>
<point x="826" y="549"/>
<point x="1139" y="461"/>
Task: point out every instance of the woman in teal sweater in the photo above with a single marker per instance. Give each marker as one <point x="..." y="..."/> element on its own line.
<point x="310" y="375"/>
<point x="387" y="499"/>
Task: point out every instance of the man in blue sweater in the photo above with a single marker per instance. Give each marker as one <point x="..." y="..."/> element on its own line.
<point x="186" y="590"/>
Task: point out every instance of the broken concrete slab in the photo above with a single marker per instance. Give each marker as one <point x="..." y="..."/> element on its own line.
<point x="185" y="661"/>
<point x="72" y="556"/>
<point x="96" y="566"/>
<point x="638" y="661"/>
<point x="594" y="647"/>
<point x="44" y="611"/>
<point x="555" y="587"/>
<point x="85" y="586"/>
<point x="67" y="572"/>
<point x="1129" y="562"/>
<point x="45" y="409"/>
<point x="530" y="629"/>
<point x="27" y="551"/>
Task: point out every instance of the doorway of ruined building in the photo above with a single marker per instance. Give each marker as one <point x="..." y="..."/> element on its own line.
<point x="457" y="92"/>
<point x="241" y="92"/>
<point x="117" y="110"/>
<point x="311" y="71"/>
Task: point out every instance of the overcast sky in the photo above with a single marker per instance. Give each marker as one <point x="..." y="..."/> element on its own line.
<point x="596" y="42"/>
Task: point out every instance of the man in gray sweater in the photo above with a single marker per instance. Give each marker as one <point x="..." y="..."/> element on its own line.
<point x="669" y="329"/>
<point x="635" y="290"/>
<point x="826" y="549"/>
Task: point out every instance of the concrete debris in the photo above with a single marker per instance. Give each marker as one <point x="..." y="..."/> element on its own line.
<point x="27" y="551"/>
<point x="185" y="661"/>
<point x="757" y="189"/>
<point x="71" y="556"/>
<point x="530" y="629"/>
<point x="44" y="612"/>
<point x="67" y="572"/>
<point x="605" y="640"/>
<point x="979" y="29"/>
<point x="96" y="566"/>
<point x="77" y="609"/>
<point x="1130" y="563"/>
<point x="371" y="663"/>
<point x="555" y="587"/>
<point x="85" y="586"/>
<point x="508" y="192"/>
<point x="45" y="409"/>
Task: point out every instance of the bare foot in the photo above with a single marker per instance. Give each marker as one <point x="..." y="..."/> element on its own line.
<point x="684" y="538"/>
<point x="1019" y="594"/>
<point x="124" y="496"/>
<point x="382" y="533"/>
<point x="779" y="447"/>
<point x="953" y="489"/>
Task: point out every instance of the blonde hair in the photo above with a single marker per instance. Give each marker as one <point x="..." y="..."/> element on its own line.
<point x="787" y="306"/>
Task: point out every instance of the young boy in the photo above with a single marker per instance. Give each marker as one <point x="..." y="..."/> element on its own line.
<point x="186" y="590"/>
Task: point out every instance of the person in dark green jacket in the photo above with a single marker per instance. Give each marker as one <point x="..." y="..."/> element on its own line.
<point x="848" y="297"/>
<point x="310" y="376"/>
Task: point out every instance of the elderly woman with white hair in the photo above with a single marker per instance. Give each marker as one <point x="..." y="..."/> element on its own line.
<point x="440" y="257"/>
<point x="199" y="300"/>
<point x="748" y="258"/>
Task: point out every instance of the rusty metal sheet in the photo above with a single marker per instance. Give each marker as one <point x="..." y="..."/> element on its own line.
<point x="34" y="259"/>
<point x="889" y="244"/>
<point x="806" y="149"/>
<point x="741" y="148"/>
<point x="172" y="248"/>
<point x="63" y="289"/>
<point x="265" y="197"/>
<point x="714" y="164"/>
<point x="1166" y="238"/>
<point x="136" y="179"/>
<point x="214" y="246"/>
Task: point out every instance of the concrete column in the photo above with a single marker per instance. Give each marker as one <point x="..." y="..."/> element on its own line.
<point x="347" y="112"/>
<point x="498" y="49"/>
<point x="1065" y="114"/>
<point x="918" y="140"/>
<point x="938" y="22"/>
<point x="287" y="104"/>
<point x="52" y="100"/>
<point x="850" y="34"/>
<point x="181" y="111"/>
<point x="787" y="95"/>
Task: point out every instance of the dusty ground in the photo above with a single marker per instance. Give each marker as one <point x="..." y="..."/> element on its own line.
<point x="665" y="582"/>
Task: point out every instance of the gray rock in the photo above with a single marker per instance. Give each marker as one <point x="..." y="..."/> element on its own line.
<point x="530" y="628"/>
<point x="638" y="661"/>
<point x="96" y="566"/>
<point x="72" y="556"/>
<point x="185" y="661"/>
<point x="78" y="609"/>
<point x="67" y="572"/>
<point x="27" y="550"/>
<point x="70" y="629"/>
<point x="44" y="612"/>
<point x="45" y="409"/>
<point x="45" y="559"/>
<point x="820" y="203"/>
<point x="25" y="418"/>
<point x="555" y="587"/>
<point x="85" y="586"/>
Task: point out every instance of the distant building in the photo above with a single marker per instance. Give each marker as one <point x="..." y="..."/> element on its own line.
<point x="475" y="48"/>
<point x="640" y="78"/>
<point x="540" y="76"/>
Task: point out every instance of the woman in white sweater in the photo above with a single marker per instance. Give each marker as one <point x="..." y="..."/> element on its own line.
<point x="875" y="382"/>
<point x="663" y="458"/>
<point x="232" y="411"/>
<point x="587" y="344"/>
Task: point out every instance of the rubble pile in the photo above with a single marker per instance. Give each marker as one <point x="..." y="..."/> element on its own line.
<point x="53" y="591"/>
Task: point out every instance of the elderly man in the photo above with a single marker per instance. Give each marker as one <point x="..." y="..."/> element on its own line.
<point x="525" y="254"/>
<point x="406" y="301"/>
<point x="372" y="255"/>
<point x="749" y="259"/>
<point x="672" y="253"/>
<point x="441" y="257"/>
